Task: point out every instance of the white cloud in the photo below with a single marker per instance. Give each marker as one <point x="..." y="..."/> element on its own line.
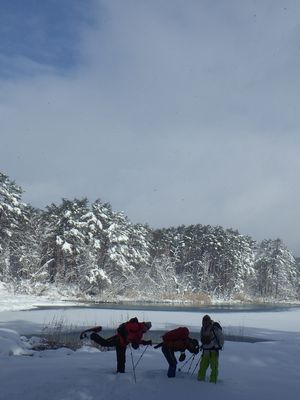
<point x="178" y="113"/>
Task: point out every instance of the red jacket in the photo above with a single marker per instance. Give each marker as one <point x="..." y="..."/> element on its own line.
<point x="131" y="332"/>
<point x="177" y="339"/>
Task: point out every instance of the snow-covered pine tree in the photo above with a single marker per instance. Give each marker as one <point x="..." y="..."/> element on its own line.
<point x="119" y="247"/>
<point x="67" y="236"/>
<point x="11" y="219"/>
<point x="276" y="271"/>
<point x="119" y="262"/>
<point x="94" y="278"/>
<point x="215" y="261"/>
<point x="235" y="262"/>
<point x="29" y="253"/>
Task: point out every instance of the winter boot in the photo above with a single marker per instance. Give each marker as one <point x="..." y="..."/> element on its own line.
<point x="87" y="332"/>
<point x="172" y="371"/>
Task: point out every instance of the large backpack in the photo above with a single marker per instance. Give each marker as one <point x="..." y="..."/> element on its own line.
<point x="209" y="334"/>
<point x="181" y="333"/>
<point x="219" y="334"/>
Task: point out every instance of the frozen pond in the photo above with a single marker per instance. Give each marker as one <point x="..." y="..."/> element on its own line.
<point x="265" y="322"/>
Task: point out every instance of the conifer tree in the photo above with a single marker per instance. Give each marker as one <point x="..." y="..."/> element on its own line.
<point x="11" y="219"/>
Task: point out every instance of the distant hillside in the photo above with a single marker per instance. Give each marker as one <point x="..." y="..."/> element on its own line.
<point x="91" y="250"/>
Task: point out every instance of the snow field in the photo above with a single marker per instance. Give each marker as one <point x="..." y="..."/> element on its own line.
<point x="265" y="370"/>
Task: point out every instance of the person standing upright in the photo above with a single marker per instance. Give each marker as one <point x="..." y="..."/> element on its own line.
<point x="212" y="340"/>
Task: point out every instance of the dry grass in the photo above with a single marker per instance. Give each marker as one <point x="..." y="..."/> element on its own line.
<point x="240" y="297"/>
<point x="167" y="297"/>
<point x="59" y="333"/>
<point x="197" y="298"/>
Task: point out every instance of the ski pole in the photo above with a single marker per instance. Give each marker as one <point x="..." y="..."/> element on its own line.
<point x="191" y="363"/>
<point x="196" y="365"/>
<point x="180" y="369"/>
<point x="133" y="366"/>
<point x="140" y="357"/>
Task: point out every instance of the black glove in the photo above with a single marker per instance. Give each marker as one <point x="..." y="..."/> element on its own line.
<point x="182" y="357"/>
<point x="147" y="342"/>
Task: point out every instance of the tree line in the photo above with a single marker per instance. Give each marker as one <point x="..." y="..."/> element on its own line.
<point x="92" y="251"/>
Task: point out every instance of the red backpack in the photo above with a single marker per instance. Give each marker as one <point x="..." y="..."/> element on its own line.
<point x="180" y="333"/>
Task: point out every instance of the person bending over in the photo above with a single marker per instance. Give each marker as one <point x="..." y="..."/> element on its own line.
<point x="130" y="332"/>
<point x="177" y="340"/>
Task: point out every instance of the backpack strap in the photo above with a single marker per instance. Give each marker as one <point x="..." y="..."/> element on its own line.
<point x="217" y="340"/>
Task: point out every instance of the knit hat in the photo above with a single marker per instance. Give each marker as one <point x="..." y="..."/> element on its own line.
<point x="206" y="320"/>
<point x="148" y="325"/>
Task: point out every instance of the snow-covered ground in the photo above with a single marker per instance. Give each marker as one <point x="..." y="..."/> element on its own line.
<point x="10" y="301"/>
<point x="262" y="370"/>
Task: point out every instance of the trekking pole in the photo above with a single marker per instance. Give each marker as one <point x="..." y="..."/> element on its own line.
<point x="180" y="369"/>
<point x="191" y="363"/>
<point x="141" y="356"/>
<point x="133" y="366"/>
<point x="196" y="365"/>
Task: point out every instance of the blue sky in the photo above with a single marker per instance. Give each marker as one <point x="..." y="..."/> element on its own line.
<point x="176" y="112"/>
<point x="45" y="32"/>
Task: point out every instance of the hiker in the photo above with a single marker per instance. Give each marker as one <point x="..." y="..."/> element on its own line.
<point x="130" y="332"/>
<point x="212" y="340"/>
<point x="177" y="340"/>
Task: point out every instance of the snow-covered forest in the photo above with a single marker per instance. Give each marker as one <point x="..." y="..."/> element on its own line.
<point x="92" y="251"/>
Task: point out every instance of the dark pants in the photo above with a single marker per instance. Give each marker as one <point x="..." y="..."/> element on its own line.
<point x="113" y="342"/>
<point x="170" y="357"/>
